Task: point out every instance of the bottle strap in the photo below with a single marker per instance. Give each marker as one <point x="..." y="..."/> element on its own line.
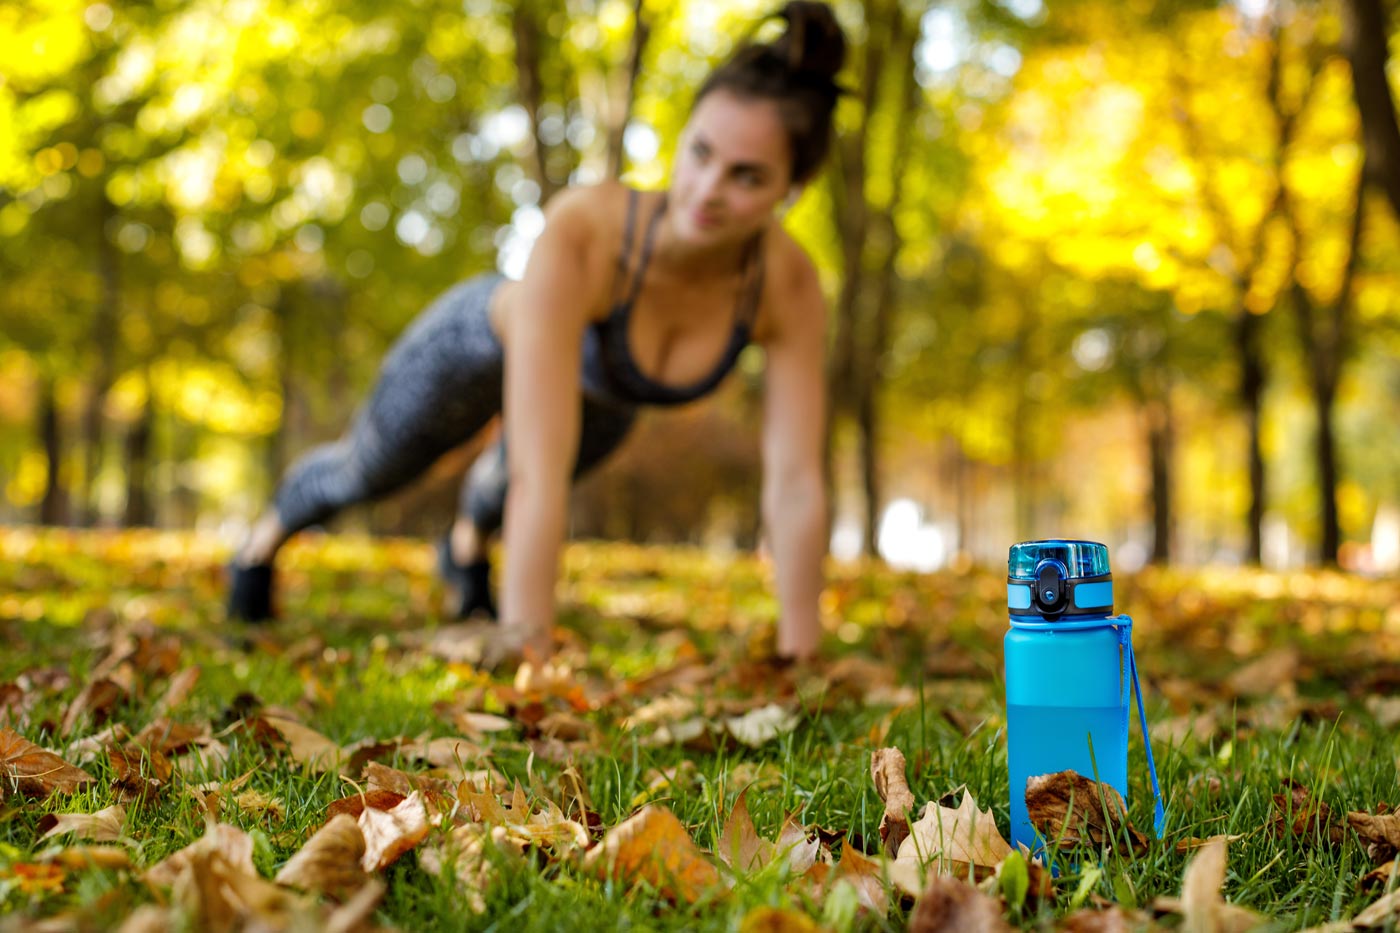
<point x="1159" y="813"/>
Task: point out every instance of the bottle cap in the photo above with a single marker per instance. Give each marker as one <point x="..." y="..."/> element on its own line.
<point x="1058" y="577"/>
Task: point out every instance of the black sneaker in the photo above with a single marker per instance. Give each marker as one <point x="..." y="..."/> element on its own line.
<point x="472" y="582"/>
<point x="250" y="592"/>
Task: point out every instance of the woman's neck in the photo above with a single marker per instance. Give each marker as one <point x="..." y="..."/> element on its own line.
<point x="675" y="257"/>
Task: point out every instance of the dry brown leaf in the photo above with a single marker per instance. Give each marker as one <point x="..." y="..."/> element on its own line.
<point x="477" y="725"/>
<point x="761" y="726"/>
<point x="468" y="851"/>
<point x="887" y="768"/>
<point x="654" y="847"/>
<point x="948" y="905"/>
<point x="777" y="920"/>
<point x="864" y="874"/>
<point x="1202" y="907"/>
<point x="138" y="774"/>
<point x="80" y="858"/>
<point x="307" y="746"/>
<point x="1386" y="910"/>
<point x="1380" y="832"/>
<point x="954" y="839"/>
<point x="168" y="737"/>
<point x="231" y="844"/>
<point x="1070" y="808"/>
<point x="1380" y="878"/>
<point x="444" y="752"/>
<point x="96" y="700"/>
<point x="1298" y="814"/>
<point x="179" y="690"/>
<point x="1112" y="920"/>
<point x="739" y="844"/>
<point x="1192" y="843"/>
<point x="103" y="826"/>
<point x="391" y="833"/>
<point x="29" y="770"/>
<point x="437" y="792"/>
<point x="794" y="844"/>
<point x="356" y="804"/>
<point x="259" y="804"/>
<point x="330" y="862"/>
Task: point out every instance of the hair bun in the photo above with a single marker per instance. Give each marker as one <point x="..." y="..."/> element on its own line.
<point x="813" y="45"/>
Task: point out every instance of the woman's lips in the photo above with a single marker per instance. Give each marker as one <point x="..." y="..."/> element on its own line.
<point x="704" y="220"/>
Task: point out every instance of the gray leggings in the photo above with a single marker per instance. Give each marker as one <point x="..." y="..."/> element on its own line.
<point x="440" y="384"/>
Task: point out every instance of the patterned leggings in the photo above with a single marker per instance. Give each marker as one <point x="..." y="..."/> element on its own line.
<point x="440" y="384"/>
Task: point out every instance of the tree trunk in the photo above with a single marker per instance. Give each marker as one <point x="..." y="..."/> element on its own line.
<point x="104" y="335"/>
<point x="136" y="452"/>
<point x="51" y="508"/>
<point x="1326" y="453"/>
<point x="871" y="378"/>
<point x="624" y="92"/>
<point x="1364" y="35"/>
<point x="1251" y="397"/>
<point x="1160" y="444"/>
<point x="531" y="88"/>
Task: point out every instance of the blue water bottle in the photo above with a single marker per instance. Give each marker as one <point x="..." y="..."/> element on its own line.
<point x="1069" y="667"/>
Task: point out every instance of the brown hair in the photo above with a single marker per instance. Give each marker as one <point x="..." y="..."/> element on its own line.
<point x="798" y="72"/>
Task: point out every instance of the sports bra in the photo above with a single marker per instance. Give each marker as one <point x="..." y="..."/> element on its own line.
<point x="609" y="371"/>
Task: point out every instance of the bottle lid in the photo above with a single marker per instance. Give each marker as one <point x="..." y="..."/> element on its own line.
<point x="1054" y="578"/>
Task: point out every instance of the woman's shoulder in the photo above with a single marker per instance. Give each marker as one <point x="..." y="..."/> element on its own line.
<point x="791" y="285"/>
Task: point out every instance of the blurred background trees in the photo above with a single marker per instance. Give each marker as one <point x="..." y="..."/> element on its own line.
<point x="1115" y="270"/>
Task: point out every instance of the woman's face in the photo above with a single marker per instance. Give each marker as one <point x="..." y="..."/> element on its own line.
<point x="732" y="170"/>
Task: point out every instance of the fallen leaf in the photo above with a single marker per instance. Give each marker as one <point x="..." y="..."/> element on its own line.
<point x="1380" y="877"/>
<point x="1203" y="908"/>
<point x="1379" y="832"/>
<point x="231" y="844"/>
<point x="954" y="906"/>
<point x="307" y="746"/>
<point x="761" y="726"/>
<point x="1298" y="814"/>
<point x="29" y="770"/>
<point x="954" y="839"/>
<point x="38" y="878"/>
<point x="1192" y="843"/>
<point x="138" y="774"/>
<point x="82" y="858"/>
<point x="1386" y="910"/>
<point x="259" y="804"/>
<point x="437" y="793"/>
<point x="444" y="752"/>
<point x="777" y="920"/>
<point x="467" y="850"/>
<point x="865" y="876"/>
<point x="654" y="847"/>
<point x="887" y="768"/>
<point x="390" y="833"/>
<point x="103" y="826"/>
<point x="96" y="700"/>
<point x="477" y="725"/>
<point x="356" y="804"/>
<point x="169" y="737"/>
<point x="739" y="844"/>
<point x="1069" y="808"/>
<point x="330" y="862"/>
<point x="1112" y="920"/>
<point x="793" y="843"/>
<point x="179" y="690"/>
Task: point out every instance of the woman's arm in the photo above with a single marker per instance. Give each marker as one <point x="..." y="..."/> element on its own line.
<point x="794" y="418"/>
<point x="549" y="313"/>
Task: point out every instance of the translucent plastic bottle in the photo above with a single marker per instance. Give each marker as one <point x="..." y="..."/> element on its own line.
<point x="1068" y="671"/>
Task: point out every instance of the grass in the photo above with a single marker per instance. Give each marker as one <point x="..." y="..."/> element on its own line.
<point x="348" y="659"/>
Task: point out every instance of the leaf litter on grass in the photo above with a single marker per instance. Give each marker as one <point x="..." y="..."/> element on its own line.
<point x="464" y="798"/>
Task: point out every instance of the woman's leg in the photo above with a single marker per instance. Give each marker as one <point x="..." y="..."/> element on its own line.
<point x="440" y="384"/>
<point x="481" y="507"/>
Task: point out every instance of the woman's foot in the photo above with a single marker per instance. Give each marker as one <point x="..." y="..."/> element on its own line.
<point x="250" y="592"/>
<point x="470" y="583"/>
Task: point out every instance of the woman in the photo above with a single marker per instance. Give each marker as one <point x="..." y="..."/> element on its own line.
<point x="629" y="298"/>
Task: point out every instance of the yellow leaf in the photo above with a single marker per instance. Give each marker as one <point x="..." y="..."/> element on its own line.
<point x="654" y="847"/>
